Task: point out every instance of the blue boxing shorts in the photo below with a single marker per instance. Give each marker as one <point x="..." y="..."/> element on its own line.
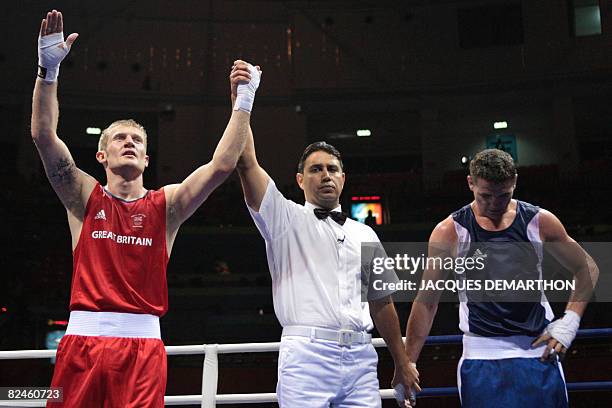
<point x="511" y="382"/>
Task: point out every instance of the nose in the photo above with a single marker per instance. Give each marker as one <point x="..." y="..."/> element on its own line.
<point x="129" y="141"/>
<point x="325" y="174"/>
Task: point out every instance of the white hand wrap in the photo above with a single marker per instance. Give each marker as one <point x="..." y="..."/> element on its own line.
<point x="245" y="94"/>
<point x="564" y="330"/>
<point x="51" y="52"/>
<point x="403" y="400"/>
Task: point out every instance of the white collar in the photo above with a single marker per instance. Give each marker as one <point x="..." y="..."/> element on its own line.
<point x="311" y="206"/>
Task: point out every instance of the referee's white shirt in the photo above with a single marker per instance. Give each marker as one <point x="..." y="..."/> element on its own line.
<point x="315" y="264"/>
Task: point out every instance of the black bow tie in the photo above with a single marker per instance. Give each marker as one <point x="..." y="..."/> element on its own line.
<point x="337" y="216"/>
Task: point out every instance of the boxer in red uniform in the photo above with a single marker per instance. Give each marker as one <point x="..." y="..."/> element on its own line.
<point x="122" y="235"/>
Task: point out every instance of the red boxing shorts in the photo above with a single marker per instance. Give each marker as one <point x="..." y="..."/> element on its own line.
<point x="110" y="372"/>
<point x="111" y="360"/>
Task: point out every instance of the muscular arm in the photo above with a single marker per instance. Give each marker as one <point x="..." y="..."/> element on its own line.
<point x="72" y="185"/>
<point x="559" y="334"/>
<point x="253" y="178"/>
<point x="424" y="308"/>
<point x="571" y="255"/>
<point x="418" y="328"/>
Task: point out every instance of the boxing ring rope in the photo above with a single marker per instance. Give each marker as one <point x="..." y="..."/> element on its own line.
<point x="210" y="372"/>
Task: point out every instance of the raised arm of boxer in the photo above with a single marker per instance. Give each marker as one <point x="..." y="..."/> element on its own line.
<point x="253" y="178"/>
<point x="72" y="185"/>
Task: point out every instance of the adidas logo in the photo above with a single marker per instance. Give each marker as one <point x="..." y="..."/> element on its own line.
<point x="479" y="254"/>
<point x="100" y="215"/>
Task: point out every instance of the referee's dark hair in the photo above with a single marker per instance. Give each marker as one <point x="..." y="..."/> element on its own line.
<point x="316" y="147"/>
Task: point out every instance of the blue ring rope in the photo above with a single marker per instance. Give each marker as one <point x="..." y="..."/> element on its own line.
<point x="457" y="338"/>
<point x="579" y="386"/>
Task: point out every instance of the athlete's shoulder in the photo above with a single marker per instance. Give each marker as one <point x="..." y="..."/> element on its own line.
<point x="551" y="227"/>
<point x="444" y="231"/>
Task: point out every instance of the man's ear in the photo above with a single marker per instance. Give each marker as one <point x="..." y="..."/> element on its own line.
<point x="299" y="177"/>
<point x="101" y="156"/>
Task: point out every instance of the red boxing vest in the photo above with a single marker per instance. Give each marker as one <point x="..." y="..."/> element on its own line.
<point x="121" y="258"/>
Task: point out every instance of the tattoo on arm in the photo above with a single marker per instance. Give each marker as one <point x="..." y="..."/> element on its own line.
<point x="172" y="212"/>
<point x="64" y="172"/>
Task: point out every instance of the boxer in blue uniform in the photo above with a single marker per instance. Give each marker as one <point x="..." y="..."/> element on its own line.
<point x="511" y="344"/>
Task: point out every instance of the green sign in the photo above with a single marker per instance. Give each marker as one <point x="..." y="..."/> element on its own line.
<point x="507" y="143"/>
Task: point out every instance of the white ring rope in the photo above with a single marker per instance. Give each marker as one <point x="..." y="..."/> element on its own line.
<point x="210" y="373"/>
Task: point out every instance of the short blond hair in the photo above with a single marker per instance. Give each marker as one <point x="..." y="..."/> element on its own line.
<point x="122" y="122"/>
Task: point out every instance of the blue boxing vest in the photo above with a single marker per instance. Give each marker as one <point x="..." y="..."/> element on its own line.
<point x="504" y="260"/>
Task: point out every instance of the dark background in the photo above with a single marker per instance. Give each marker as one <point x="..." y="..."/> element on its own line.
<point x="427" y="77"/>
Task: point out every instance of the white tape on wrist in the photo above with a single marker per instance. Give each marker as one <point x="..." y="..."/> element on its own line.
<point x="51" y="52"/>
<point x="564" y="330"/>
<point x="245" y="94"/>
<point x="403" y="400"/>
